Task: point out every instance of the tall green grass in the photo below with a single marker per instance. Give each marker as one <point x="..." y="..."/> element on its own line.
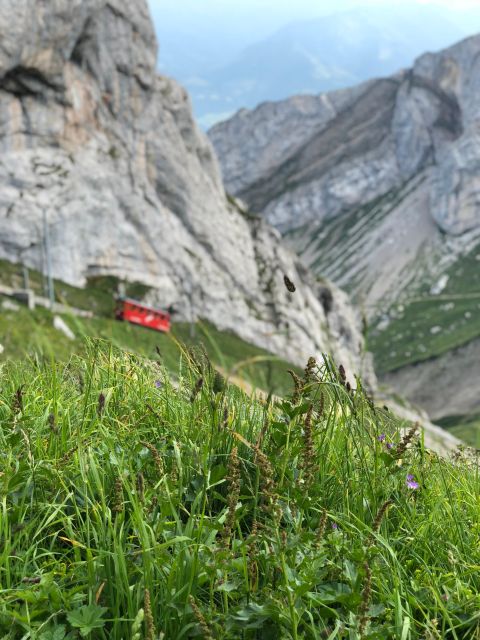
<point x="135" y="508"/>
<point x="25" y="332"/>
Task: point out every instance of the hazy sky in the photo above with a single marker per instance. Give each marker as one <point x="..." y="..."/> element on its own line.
<point x="251" y="20"/>
<point x="199" y="38"/>
<point x="277" y="6"/>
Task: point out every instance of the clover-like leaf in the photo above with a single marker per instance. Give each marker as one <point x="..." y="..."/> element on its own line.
<point x="87" y="618"/>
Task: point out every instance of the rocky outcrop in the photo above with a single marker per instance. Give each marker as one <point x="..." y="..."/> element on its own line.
<point x="102" y="155"/>
<point x="310" y="158"/>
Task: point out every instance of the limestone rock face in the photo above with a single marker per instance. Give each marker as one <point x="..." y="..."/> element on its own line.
<point x="104" y="153"/>
<point x="310" y="158"/>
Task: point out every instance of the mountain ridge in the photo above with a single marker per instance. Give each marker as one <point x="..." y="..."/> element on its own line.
<point x="408" y="148"/>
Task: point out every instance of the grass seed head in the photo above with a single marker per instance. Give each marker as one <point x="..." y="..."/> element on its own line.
<point x="155" y="455"/>
<point x="289" y="284"/>
<point x="298" y="386"/>
<point x="263" y="431"/>
<point x="233" y="484"/>
<point x="68" y="454"/>
<point x="252" y="553"/>
<point x="196" y="390"/>
<point x="321" y="404"/>
<point x="378" y="520"/>
<point x="381" y="513"/>
<point x="18" y="400"/>
<point x="308" y="452"/>
<point x="310" y="370"/>
<point x="219" y="382"/>
<point x="406" y="440"/>
<point x="267" y="484"/>
<point x="32" y="580"/>
<point x="224" y="421"/>
<point x="118" y="496"/>
<point x="200" y="618"/>
<point x="141" y="487"/>
<point x="51" y="423"/>
<point x="100" y="404"/>
<point x="150" y="632"/>
<point x="365" y="603"/>
<point x="321" y="527"/>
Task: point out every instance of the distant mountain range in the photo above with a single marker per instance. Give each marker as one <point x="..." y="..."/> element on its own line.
<point x="308" y="56"/>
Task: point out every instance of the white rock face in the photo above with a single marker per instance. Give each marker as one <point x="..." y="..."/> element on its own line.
<point x="310" y="158"/>
<point x="106" y="152"/>
<point x="60" y="325"/>
<point x="7" y="305"/>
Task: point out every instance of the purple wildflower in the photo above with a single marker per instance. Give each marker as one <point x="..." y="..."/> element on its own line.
<point x="390" y="445"/>
<point x="381" y="437"/>
<point x="411" y="483"/>
<point x="158" y="384"/>
<point x="334" y="526"/>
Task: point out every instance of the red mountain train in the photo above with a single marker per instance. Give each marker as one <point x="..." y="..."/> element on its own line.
<point x="137" y="313"/>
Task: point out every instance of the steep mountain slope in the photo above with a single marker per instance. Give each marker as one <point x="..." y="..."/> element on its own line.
<point x="378" y="187"/>
<point x="104" y="155"/>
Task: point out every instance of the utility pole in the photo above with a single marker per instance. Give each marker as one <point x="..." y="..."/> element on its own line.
<point x="192" y="320"/>
<point x="189" y="291"/>
<point x="46" y="236"/>
<point x="26" y="278"/>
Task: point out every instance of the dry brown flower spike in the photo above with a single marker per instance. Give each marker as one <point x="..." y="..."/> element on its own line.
<point x="289" y="284"/>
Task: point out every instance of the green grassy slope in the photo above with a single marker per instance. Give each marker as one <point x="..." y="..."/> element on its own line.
<point x="467" y="428"/>
<point x="429" y="325"/>
<point x="23" y="332"/>
<point x="135" y="509"/>
<point x="97" y="296"/>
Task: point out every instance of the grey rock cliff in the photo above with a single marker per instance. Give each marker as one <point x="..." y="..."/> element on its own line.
<point x="105" y="150"/>
<point x="309" y="158"/>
